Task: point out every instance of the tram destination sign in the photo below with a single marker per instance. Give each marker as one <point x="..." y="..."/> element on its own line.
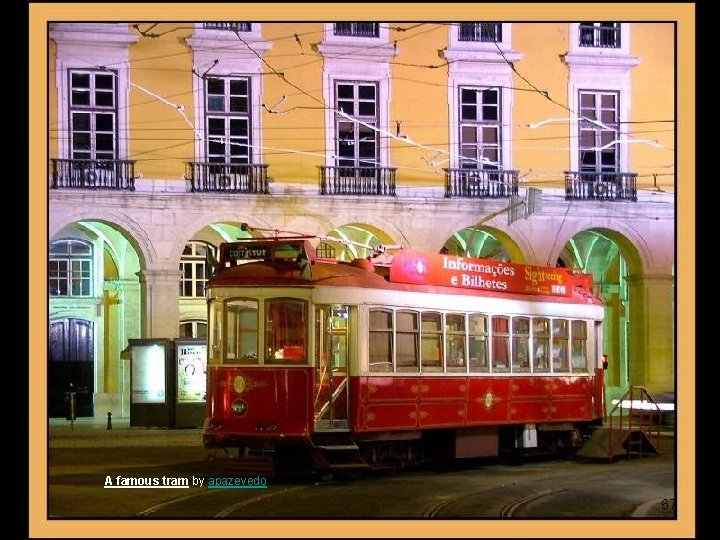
<point x="485" y="274"/>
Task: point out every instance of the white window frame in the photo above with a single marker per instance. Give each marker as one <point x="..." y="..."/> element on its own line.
<point x="209" y="45"/>
<point x="622" y="50"/>
<point x="348" y="58"/>
<point x="69" y="258"/>
<point x="479" y="64"/>
<point x="86" y="46"/>
<point x="330" y="37"/>
<point x="456" y="44"/>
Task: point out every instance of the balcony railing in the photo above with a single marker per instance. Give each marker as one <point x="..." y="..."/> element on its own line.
<point x="357" y="181"/>
<point x="607" y="36"/>
<point x="229" y="26"/>
<point x="600" y="186"/>
<point x="484" y="32"/>
<point x="480" y="184"/>
<point x="228" y="177"/>
<point x="93" y="174"/>
<point x="357" y="29"/>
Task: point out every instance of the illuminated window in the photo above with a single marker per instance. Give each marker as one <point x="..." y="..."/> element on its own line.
<point x="560" y="346"/>
<point x="455" y="341"/>
<point x="407" y="339"/>
<point x="285" y="331"/>
<point x="241" y="322"/>
<point x="193" y="278"/>
<point x="93" y="115"/>
<point x="520" y="344"/>
<point x="227" y="119"/>
<point x="578" y="335"/>
<point x="431" y="341"/>
<point x="381" y="340"/>
<point x="70" y="268"/>
<point x="500" y="344"/>
<point x="478" y="343"/>
<point x="541" y="345"/>
<point x="480" y="128"/>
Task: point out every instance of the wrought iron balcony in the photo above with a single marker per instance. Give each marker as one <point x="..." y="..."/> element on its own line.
<point x="606" y="36"/>
<point x="484" y="32"/>
<point x="600" y="186"/>
<point x="357" y="29"/>
<point x="228" y="177"/>
<point x="357" y="181"/>
<point x="480" y="183"/>
<point x="93" y="174"/>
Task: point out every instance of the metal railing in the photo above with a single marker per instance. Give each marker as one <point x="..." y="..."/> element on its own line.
<point x="607" y="37"/>
<point x="228" y="177"/>
<point x="484" y="32"/>
<point x="116" y="174"/>
<point x="600" y="186"/>
<point x="357" y="180"/>
<point x="480" y="183"/>
<point x="635" y="412"/>
<point x="230" y="26"/>
<point x="357" y="29"/>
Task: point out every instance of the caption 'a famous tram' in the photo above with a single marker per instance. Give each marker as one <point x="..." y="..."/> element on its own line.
<point x="321" y="364"/>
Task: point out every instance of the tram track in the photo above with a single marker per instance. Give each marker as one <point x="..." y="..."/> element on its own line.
<point x="509" y="509"/>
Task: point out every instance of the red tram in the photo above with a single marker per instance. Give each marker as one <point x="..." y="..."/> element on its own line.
<point x="321" y="364"/>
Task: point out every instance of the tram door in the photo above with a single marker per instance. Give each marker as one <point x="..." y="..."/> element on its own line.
<point x="71" y="366"/>
<point x="331" y="367"/>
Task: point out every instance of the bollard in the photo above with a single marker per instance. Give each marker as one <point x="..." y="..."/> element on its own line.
<point x="109" y="422"/>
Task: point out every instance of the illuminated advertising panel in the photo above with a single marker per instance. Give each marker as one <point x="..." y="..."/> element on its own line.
<point x="485" y="274"/>
<point x="148" y="374"/>
<point x="191" y="371"/>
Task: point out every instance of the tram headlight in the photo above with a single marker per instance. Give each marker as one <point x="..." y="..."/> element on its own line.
<point x="238" y="407"/>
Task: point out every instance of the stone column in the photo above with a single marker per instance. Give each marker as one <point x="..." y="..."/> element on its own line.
<point x="652" y="332"/>
<point x="160" y="302"/>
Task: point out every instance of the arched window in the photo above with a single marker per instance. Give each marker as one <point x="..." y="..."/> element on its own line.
<point x="193" y="329"/>
<point x="193" y="275"/>
<point x="70" y="268"/>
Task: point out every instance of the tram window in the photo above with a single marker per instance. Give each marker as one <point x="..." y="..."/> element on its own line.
<point x="520" y="344"/>
<point x="407" y="340"/>
<point x="578" y="331"/>
<point x="381" y="332"/>
<point x="541" y="345"/>
<point x="455" y="341"/>
<point x="215" y="334"/>
<point x="478" y="343"/>
<point x="431" y="341"/>
<point x="241" y="317"/>
<point x="500" y="344"/>
<point x="560" y="345"/>
<point x="285" y="331"/>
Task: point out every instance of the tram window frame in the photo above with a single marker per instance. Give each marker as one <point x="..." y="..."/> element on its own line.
<point x="520" y="344"/>
<point x="540" y="345"/>
<point x="232" y="332"/>
<point x="407" y="342"/>
<point x="500" y="343"/>
<point x="578" y="346"/>
<point x="456" y="342"/>
<point x="216" y="325"/>
<point x="478" y="343"/>
<point x="292" y="347"/>
<point x="560" y="339"/>
<point x="431" y="341"/>
<point x="381" y="344"/>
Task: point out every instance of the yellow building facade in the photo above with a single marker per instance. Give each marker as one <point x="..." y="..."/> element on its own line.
<point x="549" y="143"/>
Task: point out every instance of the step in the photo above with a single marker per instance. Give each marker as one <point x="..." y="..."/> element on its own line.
<point x="337" y="446"/>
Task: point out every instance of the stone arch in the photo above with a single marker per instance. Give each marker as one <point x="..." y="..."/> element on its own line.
<point x="510" y="249"/>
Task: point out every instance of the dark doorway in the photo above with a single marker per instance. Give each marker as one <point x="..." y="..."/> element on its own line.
<point x="71" y="366"/>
